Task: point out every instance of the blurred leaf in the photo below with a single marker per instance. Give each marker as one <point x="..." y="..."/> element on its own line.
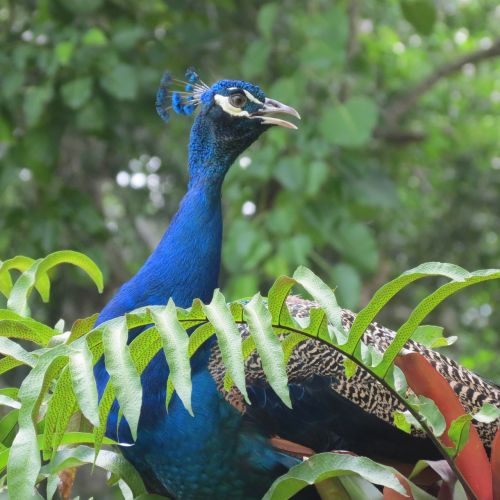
<point x="127" y="37"/>
<point x="95" y="36"/>
<point x="120" y="81"/>
<point x="255" y="59"/>
<point x="266" y="18"/>
<point x="356" y="244"/>
<point x="64" y="52"/>
<point x="421" y="14"/>
<point x="348" y="284"/>
<point x="350" y="124"/>
<point x="77" y="92"/>
<point x="35" y="102"/>
<point x="317" y="173"/>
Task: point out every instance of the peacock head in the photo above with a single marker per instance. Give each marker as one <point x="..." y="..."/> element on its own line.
<point x="234" y="111"/>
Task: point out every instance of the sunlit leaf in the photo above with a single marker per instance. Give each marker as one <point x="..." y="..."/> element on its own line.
<point x="229" y="340"/>
<point x="268" y="346"/>
<point x="122" y="372"/>
<point x="175" y="343"/>
<point x="325" y="465"/>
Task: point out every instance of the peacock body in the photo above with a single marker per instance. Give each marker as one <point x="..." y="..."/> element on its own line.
<point x="226" y="450"/>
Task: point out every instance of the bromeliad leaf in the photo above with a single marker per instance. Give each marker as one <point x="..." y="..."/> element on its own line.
<point x="122" y="372"/>
<point x="229" y="339"/>
<point x="268" y="346"/>
<point x="175" y="341"/>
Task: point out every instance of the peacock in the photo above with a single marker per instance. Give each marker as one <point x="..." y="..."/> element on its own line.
<point x="230" y="449"/>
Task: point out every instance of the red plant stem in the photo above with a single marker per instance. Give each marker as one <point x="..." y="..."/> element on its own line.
<point x="472" y="461"/>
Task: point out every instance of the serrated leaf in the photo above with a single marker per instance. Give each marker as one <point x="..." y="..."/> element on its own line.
<point x="77" y="259"/>
<point x="276" y="301"/>
<point x="24" y="457"/>
<point x="15" y="351"/>
<point x="175" y="341"/>
<point x="268" y="346"/>
<point x="18" y="299"/>
<point x="108" y="460"/>
<point x="81" y="327"/>
<point x="60" y="408"/>
<point x="84" y="386"/>
<point x="327" y="465"/>
<point x="22" y="263"/>
<point x="427" y="305"/>
<point x="122" y="372"/>
<point x="229" y="340"/>
<point x="323" y="295"/>
<point x="7" y="424"/>
<point x="384" y="294"/>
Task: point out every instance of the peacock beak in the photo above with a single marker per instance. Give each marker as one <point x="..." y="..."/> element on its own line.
<point x="273" y="106"/>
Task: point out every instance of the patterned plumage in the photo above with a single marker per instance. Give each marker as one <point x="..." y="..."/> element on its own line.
<point x="312" y="359"/>
<point x="228" y="449"/>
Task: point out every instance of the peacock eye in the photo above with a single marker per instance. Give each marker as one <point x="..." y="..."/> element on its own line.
<point x="238" y="100"/>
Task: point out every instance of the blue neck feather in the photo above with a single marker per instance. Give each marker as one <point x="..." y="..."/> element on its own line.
<point x="186" y="263"/>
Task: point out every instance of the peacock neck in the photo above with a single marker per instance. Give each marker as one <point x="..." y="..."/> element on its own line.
<point x="186" y="263"/>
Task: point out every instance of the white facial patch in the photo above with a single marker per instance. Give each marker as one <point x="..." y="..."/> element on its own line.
<point x="223" y="102"/>
<point x="251" y="97"/>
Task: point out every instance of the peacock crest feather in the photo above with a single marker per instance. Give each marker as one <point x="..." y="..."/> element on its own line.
<point x="183" y="102"/>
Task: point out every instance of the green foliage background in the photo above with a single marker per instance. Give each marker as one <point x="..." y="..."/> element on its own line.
<point x="391" y="166"/>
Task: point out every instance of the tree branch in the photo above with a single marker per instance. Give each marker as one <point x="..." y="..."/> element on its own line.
<point x="351" y="46"/>
<point x="405" y="102"/>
